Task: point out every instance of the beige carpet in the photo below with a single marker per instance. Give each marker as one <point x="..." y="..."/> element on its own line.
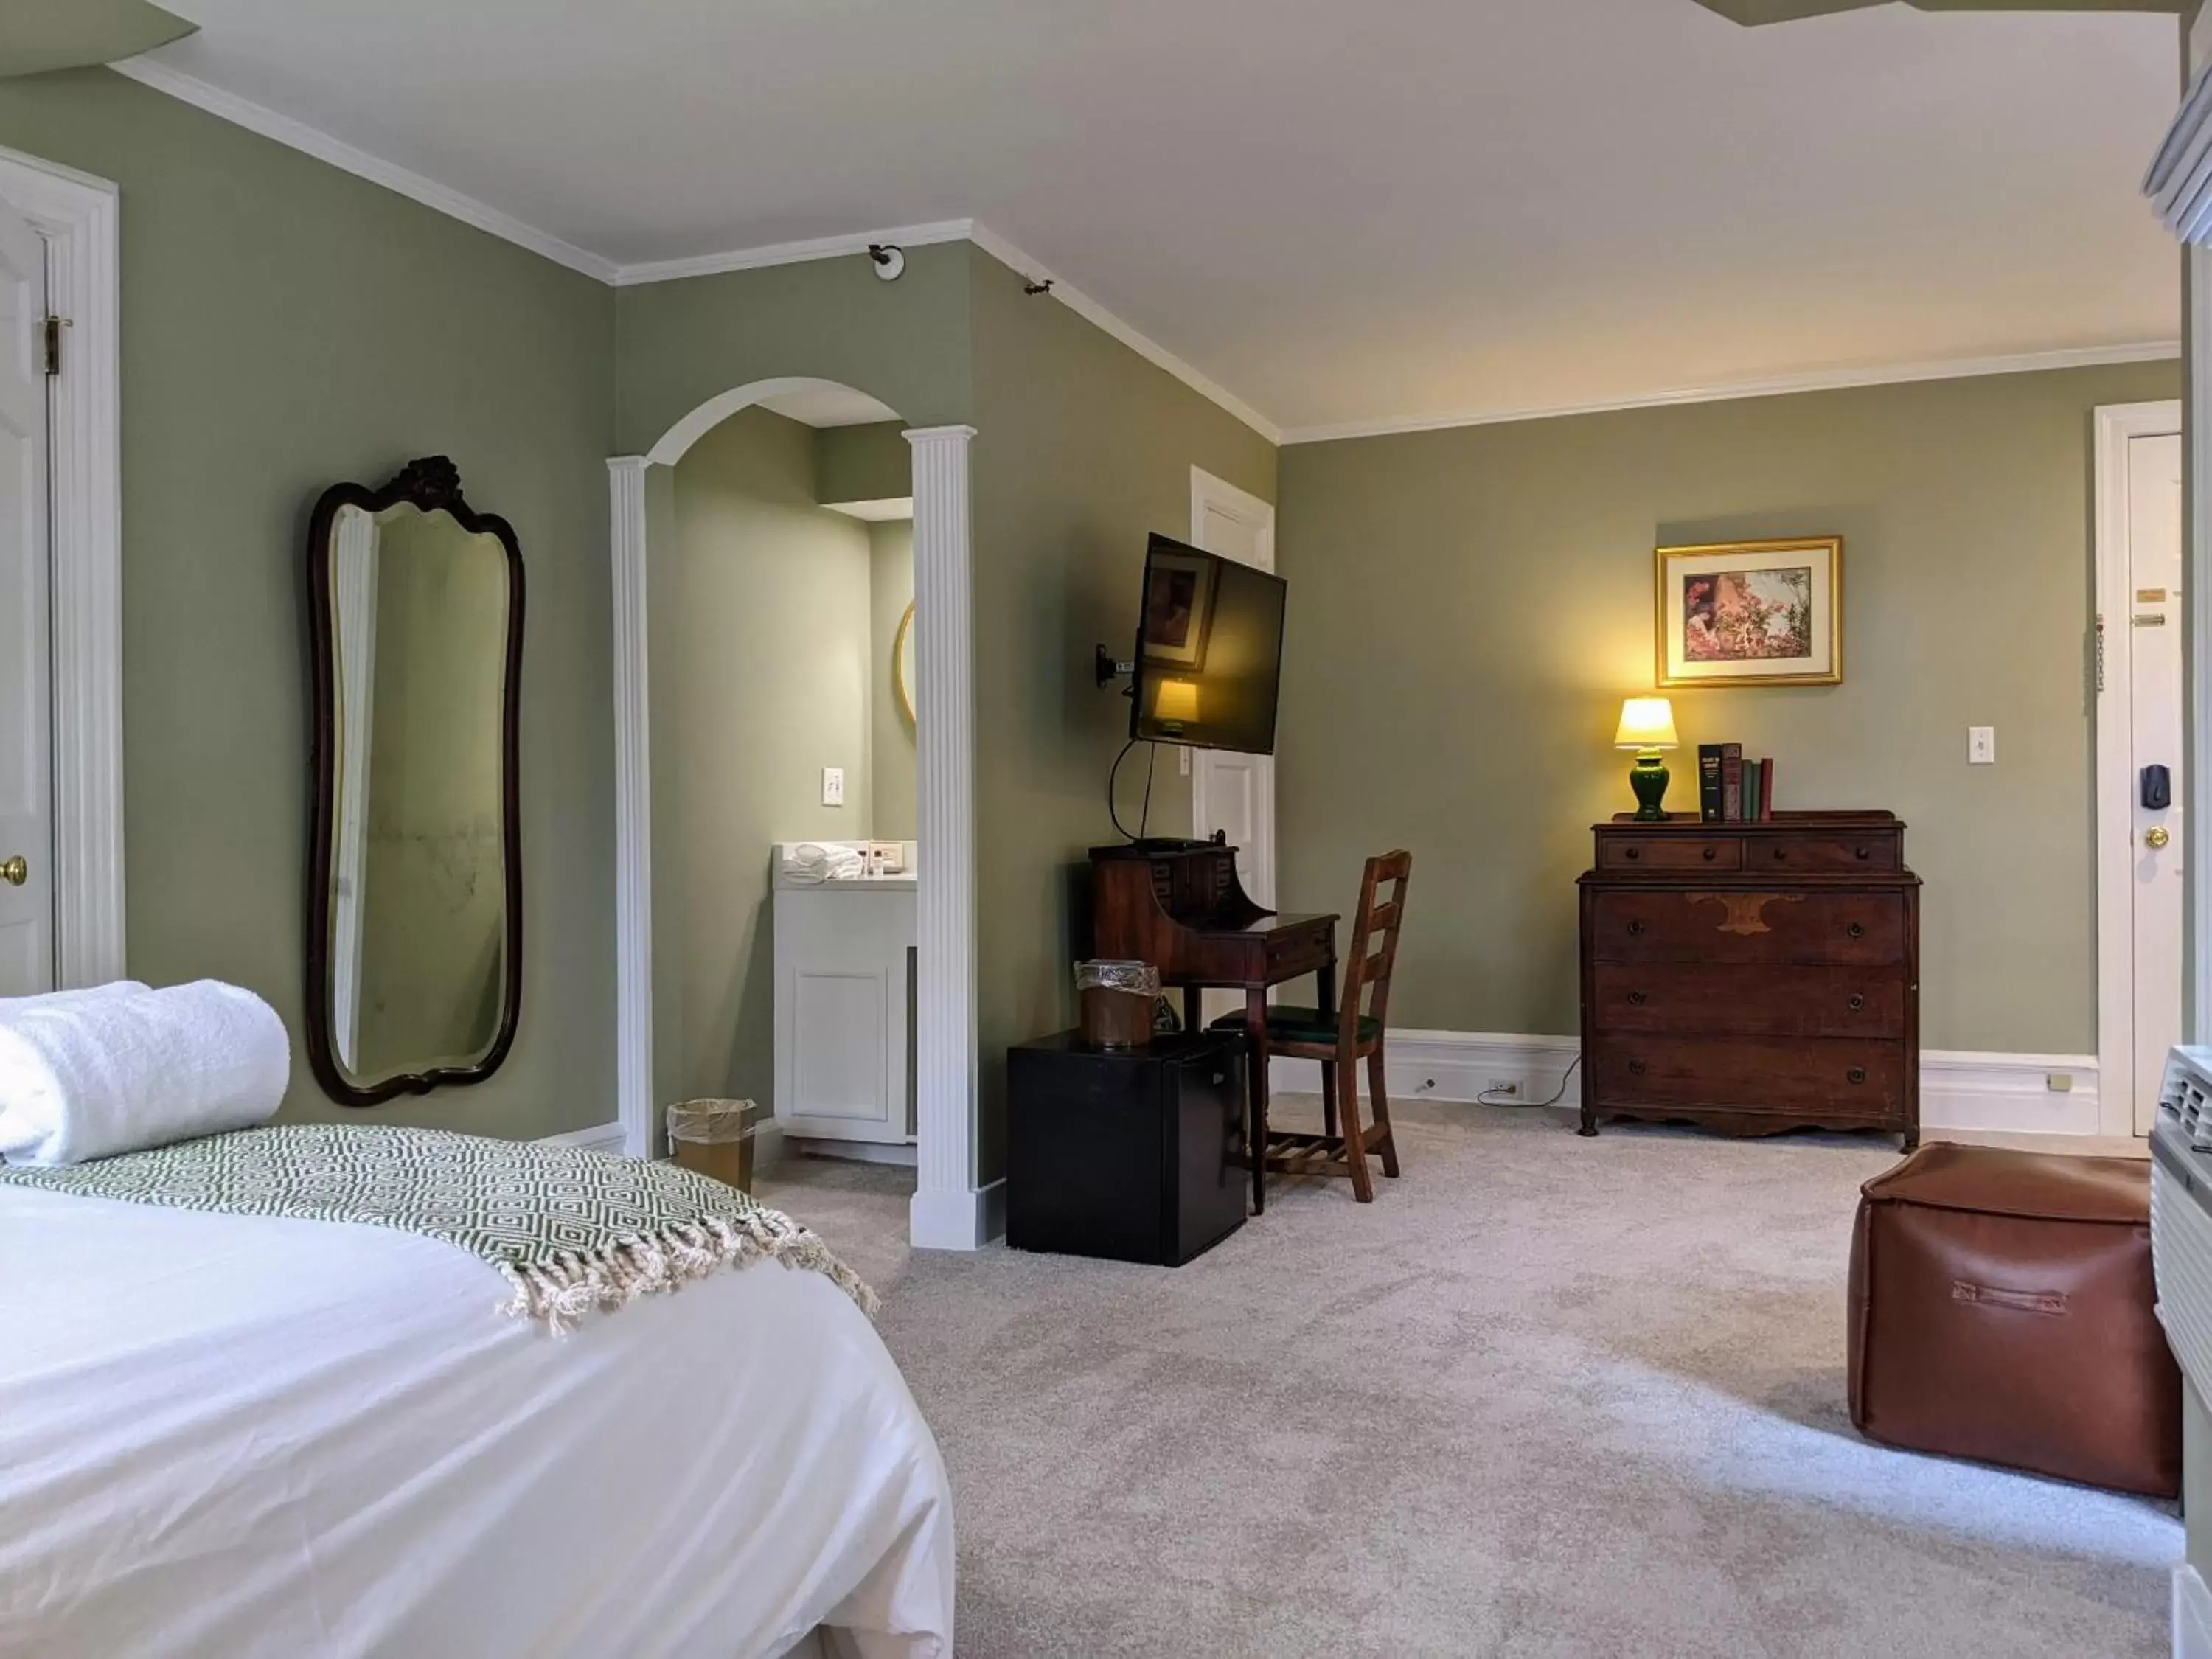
<point x="1545" y="1397"/>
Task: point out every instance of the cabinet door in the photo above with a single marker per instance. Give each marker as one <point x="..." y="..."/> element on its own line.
<point x="1206" y="1199"/>
<point x="841" y="1013"/>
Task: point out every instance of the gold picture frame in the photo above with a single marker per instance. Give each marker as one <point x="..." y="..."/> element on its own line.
<point x="1750" y="613"/>
<point x="902" y="667"/>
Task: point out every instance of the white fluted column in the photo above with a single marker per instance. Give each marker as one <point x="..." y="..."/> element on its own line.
<point x="633" y="811"/>
<point x="949" y="1212"/>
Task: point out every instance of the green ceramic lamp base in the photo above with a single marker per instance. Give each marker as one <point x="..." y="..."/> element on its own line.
<point x="1649" y="779"/>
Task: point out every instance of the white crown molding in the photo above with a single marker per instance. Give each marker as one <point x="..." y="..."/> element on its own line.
<point x="1778" y="385"/>
<point x="1149" y="349"/>
<point x="791" y="253"/>
<point x="299" y="135"/>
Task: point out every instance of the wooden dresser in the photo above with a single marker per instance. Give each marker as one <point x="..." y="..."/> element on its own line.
<point x="1752" y="977"/>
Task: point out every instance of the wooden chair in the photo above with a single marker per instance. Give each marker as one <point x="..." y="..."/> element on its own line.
<point x="1343" y="1037"/>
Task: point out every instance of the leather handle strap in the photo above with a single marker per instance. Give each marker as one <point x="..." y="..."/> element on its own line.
<point x="1992" y="1296"/>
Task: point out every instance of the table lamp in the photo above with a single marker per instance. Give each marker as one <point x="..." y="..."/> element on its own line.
<point x="1175" y="704"/>
<point x="1647" y="725"/>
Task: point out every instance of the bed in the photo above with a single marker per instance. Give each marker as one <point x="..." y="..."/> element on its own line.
<point x="233" y="1437"/>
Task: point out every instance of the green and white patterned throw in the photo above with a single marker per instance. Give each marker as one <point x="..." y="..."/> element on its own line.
<point x="570" y="1230"/>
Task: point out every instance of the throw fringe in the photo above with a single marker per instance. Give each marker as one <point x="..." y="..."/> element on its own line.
<point x="561" y="1289"/>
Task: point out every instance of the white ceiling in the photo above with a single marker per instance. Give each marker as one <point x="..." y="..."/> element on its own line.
<point x="1343" y="213"/>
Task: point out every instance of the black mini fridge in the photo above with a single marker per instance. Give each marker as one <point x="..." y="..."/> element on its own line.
<point x="1131" y="1155"/>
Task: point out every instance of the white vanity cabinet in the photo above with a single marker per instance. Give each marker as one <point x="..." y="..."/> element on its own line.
<point x="844" y="1006"/>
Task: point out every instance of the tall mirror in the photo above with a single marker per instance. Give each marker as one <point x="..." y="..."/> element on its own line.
<point x="415" y="923"/>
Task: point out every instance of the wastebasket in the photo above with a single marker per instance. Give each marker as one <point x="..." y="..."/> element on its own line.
<point x="1117" y="999"/>
<point x="715" y="1138"/>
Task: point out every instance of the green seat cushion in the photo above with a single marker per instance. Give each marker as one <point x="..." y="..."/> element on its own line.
<point x="1289" y="1025"/>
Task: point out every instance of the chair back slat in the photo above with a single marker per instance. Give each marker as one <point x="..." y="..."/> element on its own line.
<point x="1373" y="947"/>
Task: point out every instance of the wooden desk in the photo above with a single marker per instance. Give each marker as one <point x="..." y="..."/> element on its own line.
<point x="1179" y="906"/>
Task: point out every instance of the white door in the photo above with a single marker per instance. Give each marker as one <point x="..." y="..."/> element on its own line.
<point x="1230" y="792"/>
<point x="26" y="893"/>
<point x="2139" y="728"/>
<point x="2154" y="632"/>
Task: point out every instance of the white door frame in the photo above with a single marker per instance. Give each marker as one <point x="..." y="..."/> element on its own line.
<point x="77" y="217"/>
<point x="951" y="1210"/>
<point x="1223" y="497"/>
<point x="2117" y="424"/>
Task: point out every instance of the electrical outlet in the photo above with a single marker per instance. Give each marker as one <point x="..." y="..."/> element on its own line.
<point x="2059" y="1083"/>
<point x="1502" y="1086"/>
<point x="1981" y="745"/>
<point x="1183" y="759"/>
<point x="833" y="786"/>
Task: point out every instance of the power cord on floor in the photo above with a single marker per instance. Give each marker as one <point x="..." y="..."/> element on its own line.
<point x="1486" y="1097"/>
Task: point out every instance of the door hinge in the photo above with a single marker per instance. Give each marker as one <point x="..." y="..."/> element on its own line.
<point x="2100" y="654"/>
<point x="50" y="334"/>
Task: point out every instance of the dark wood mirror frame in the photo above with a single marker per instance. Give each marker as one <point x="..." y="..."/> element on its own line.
<point x="431" y="483"/>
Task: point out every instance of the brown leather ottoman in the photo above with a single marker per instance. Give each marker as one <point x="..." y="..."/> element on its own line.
<point x="2000" y="1309"/>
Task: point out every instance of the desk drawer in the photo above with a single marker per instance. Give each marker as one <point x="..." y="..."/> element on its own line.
<point x="1676" y="998"/>
<point x="1301" y="948"/>
<point x="1845" y="1079"/>
<point x="1736" y="926"/>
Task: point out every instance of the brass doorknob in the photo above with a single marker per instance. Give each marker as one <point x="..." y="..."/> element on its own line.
<point x="2154" y="837"/>
<point x="15" y="871"/>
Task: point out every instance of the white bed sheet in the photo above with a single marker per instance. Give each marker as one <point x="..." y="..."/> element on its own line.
<point x="226" y="1438"/>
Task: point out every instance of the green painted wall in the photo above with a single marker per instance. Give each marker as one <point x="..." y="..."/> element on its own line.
<point x="863" y="463"/>
<point x="1468" y="607"/>
<point x="1083" y="448"/>
<point x="905" y="343"/>
<point x="286" y="325"/>
<point x="890" y="733"/>
<point x="761" y="628"/>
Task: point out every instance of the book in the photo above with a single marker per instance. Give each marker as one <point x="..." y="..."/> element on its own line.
<point x="1767" y="788"/>
<point x="1709" y="782"/>
<point x="1731" y="783"/>
<point x="1751" y="770"/>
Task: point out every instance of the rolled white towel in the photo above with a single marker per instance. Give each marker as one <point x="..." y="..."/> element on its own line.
<point x="86" y="1075"/>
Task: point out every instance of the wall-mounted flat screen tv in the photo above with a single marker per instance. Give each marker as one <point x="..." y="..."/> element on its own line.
<point x="1209" y="650"/>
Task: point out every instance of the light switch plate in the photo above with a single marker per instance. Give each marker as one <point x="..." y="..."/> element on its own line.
<point x="1981" y="745"/>
<point x="833" y="786"/>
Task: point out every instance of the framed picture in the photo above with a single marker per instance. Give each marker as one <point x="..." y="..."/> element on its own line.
<point x="1178" y="608"/>
<point x="1752" y="613"/>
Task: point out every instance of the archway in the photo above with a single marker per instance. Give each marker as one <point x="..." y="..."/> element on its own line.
<point x="948" y="1211"/>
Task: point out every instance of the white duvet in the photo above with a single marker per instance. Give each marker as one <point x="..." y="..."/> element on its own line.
<point x="227" y="1437"/>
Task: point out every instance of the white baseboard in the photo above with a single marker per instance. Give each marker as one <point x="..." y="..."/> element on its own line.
<point x="2003" y="1093"/>
<point x="956" y="1218"/>
<point x="599" y="1138"/>
<point x="2192" y="1615"/>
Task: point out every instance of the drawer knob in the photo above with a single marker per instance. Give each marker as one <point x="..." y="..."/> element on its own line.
<point x="1865" y="852"/>
<point x="1633" y="853"/>
<point x="1781" y="853"/>
<point x="1856" y="1002"/>
<point x="1856" y="930"/>
<point x="1710" y="855"/>
<point x="1635" y="926"/>
<point x="1857" y="1074"/>
<point x="1636" y="1068"/>
<point x="1638" y="997"/>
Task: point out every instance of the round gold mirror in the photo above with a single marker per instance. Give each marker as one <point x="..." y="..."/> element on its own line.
<point x="902" y="665"/>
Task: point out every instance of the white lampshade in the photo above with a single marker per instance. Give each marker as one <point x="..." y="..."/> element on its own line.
<point x="1176" y="703"/>
<point x="1646" y="723"/>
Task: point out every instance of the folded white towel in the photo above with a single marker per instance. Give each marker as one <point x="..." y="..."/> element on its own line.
<point x="90" y="1074"/>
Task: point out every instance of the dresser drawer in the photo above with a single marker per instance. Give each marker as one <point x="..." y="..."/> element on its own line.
<point x="1803" y="851"/>
<point x="1679" y="998"/>
<point x="1723" y="926"/>
<point x="1845" y="1079"/>
<point x="1627" y="851"/>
